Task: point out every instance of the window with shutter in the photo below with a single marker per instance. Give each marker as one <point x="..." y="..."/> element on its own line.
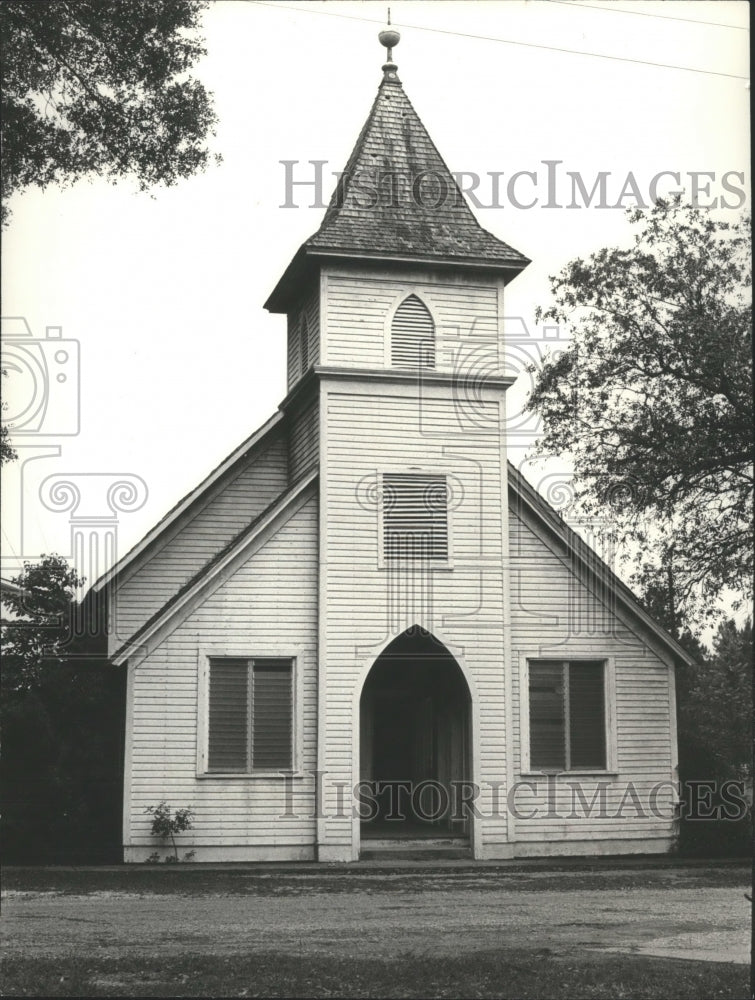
<point x="304" y="344"/>
<point x="547" y="723"/>
<point x="250" y="726"/>
<point x="271" y="727"/>
<point x="412" y="335"/>
<point x="229" y="697"/>
<point x="567" y="715"/>
<point x="587" y="731"/>
<point x="415" y="517"/>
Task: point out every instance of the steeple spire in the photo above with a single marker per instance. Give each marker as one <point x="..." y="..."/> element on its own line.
<point x="396" y="200"/>
<point x="390" y="38"/>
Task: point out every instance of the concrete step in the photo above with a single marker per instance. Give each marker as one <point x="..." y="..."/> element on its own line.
<point x="421" y="857"/>
<point x="415" y="849"/>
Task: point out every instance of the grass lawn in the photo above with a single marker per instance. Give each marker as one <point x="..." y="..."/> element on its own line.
<point x="506" y="974"/>
<point x="185" y="931"/>
<point x="197" y="880"/>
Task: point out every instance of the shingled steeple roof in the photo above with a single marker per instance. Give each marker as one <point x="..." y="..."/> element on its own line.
<point x="397" y="200"/>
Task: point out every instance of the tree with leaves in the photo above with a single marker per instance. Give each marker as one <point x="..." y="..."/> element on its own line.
<point x="7" y="451"/>
<point x="714" y="700"/>
<point x="43" y="607"/>
<point x="714" y="720"/>
<point x="656" y="589"/>
<point x="652" y="398"/>
<point x="101" y="87"/>
<point x="717" y="711"/>
<point x="62" y="717"/>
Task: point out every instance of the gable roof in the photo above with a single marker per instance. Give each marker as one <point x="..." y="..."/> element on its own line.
<point x="397" y="200"/>
<point x="217" y="569"/>
<point x="579" y="552"/>
<point x="591" y="565"/>
<point x="144" y="549"/>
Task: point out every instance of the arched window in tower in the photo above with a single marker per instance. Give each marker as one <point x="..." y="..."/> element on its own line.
<point x="412" y="335"/>
<point x="304" y="344"/>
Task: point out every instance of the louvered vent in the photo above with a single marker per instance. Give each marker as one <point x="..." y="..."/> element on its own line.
<point x="304" y="346"/>
<point x="412" y="335"/>
<point x="415" y="517"/>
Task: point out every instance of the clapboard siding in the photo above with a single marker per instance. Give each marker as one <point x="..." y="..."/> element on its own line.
<point x="304" y="439"/>
<point x="271" y="602"/>
<point x="234" y="502"/>
<point x="358" y="311"/>
<point x="343" y="604"/>
<point x="555" y="615"/>
<point x="308" y="306"/>
<point x="364" y="605"/>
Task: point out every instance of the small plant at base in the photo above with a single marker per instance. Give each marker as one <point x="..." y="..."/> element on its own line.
<point x="166" y="825"/>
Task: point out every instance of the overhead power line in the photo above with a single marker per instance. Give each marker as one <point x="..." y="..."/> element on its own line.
<point x="502" y="41"/>
<point x="644" y="13"/>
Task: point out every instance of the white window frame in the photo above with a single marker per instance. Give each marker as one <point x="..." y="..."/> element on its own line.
<point x="408" y="470"/>
<point x="609" y="710"/>
<point x="423" y="295"/>
<point x="262" y="652"/>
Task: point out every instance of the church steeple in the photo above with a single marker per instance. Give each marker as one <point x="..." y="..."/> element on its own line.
<point x="397" y="200"/>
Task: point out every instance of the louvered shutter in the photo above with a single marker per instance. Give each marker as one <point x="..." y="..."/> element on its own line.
<point x="547" y="720"/>
<point x="415" y="517"/>
<point x="272" y="725"/>
<point x="587" y="731"/>
<point x="304" y="345"/>
<point x="412" y="335"/>
<point x="229" y="715"/>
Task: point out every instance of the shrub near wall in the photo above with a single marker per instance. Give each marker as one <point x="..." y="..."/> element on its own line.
<point x="715" y="744"/>
<point x="724" y="835"/>
<point x="61" y="768"/>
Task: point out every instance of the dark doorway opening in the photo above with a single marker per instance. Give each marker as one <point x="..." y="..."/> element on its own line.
<point x="415" y="730"/>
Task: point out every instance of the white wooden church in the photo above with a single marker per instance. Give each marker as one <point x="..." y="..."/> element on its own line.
<point x="365" y="630"/>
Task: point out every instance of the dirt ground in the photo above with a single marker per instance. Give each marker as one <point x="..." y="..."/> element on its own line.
<point x="694" y="912"/>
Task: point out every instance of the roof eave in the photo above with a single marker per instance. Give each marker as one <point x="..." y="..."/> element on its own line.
<point x="589" y="558"/>
<point x="154" y="537"/>
<point x="215" y="566"/>
<point x="298" y="271"/>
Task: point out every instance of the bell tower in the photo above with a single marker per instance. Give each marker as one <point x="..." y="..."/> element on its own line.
<point x="397" y="392"/>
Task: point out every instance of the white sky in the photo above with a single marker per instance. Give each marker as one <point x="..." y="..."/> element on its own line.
<point x="164" y="292"/>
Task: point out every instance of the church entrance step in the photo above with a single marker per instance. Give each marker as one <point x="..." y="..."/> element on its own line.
<point x="415" y="849"/>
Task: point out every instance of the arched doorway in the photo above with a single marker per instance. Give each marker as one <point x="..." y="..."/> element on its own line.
<point x="415" y="732"/>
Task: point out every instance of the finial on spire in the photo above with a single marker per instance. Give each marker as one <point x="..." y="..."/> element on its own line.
<point x="389" y="37"/>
